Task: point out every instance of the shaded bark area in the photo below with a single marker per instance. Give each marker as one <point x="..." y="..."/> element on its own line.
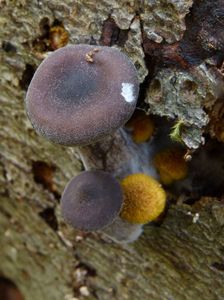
<point x="178" y="260"/>
<point x="32" y="255"/>
<point x="182" y="258"/>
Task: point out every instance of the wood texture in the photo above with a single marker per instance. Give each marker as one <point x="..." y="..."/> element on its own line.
<point x="180" y="259"/>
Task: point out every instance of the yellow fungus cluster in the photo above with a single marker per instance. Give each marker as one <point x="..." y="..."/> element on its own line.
<point x="219" y="131"/>
<point x="58" y="37"/>
<point x="142" y="127"/>
<point x="144" y="199"/>
<point x="171" y="165"/>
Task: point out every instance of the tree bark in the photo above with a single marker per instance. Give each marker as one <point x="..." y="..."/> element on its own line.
<point x="182" y="258"/>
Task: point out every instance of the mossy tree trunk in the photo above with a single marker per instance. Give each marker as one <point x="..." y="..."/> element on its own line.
<point x="183" y="258"/>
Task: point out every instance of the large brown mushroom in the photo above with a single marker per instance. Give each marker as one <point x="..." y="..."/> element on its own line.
<point x="79" y="96"/>
<point x="82" y="93"/>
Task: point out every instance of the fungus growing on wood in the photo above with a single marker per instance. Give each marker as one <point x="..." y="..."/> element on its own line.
<point x="142" y="127"/>
<point x="82" y="93"/>
<point x="91" y="200"/>
<point x="94" y="200"/>
<point x="171" y="165"/>
<point x="78" y="95"/>
<point x="144" y="199"/>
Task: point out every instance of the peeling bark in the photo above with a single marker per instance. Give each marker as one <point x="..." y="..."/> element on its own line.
<point x="181" y="258"/>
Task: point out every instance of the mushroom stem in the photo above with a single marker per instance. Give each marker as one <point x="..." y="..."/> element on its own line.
<point x="121" y="231"/>
<point x="118" y="155"/>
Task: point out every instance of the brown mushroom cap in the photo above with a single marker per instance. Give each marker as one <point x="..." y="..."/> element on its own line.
<point x="81" y="93"/>
<point x="91" y="200"/>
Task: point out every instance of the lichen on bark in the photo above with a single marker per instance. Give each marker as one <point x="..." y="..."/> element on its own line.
<point x="181" y="258"/>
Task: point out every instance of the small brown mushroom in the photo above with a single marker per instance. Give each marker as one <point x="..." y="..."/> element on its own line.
<point x="95" y="200"/>
<point x="91" y="200"/>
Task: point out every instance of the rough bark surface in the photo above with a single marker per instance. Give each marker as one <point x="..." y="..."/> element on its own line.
<point x="180" y="259"/>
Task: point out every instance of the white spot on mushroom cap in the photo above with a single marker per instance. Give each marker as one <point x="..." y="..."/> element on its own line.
<point x="127" y="92"/>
